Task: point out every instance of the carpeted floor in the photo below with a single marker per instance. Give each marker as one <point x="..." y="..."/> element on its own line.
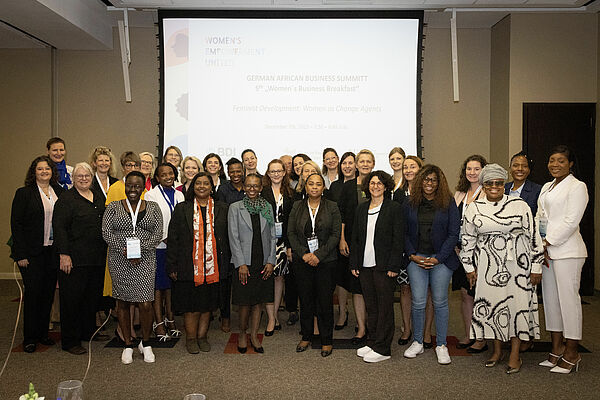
<point x="281" y="373"/>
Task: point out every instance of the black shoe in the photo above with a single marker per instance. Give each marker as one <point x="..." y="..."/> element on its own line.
<point x="269" y="333"/>
<point x="292" y="319"/>
<point x="325" y="353"/>
<point x="402" y="342"/>
<point x="242" y="350"/>
<point x="340" y="327"/>
<point x="465" y="345"/>
<point x="29" y="348"/>
<point x="47" y="341"/>
<point x="359" y="340"/>
<point x="76" y="350"/>
<point x="259" y="350"/>
<point x="300" y="348"/>
<point x="278" y="327"/>
<point x="427" y="345"/>
<point x="471" y="350"/>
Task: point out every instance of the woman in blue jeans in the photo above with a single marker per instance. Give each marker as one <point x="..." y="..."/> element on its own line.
<point x="432" y="228"/>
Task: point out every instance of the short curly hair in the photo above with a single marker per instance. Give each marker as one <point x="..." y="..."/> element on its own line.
<point x="384" y="177"/>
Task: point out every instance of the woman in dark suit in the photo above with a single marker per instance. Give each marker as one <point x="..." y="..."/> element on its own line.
<point x="351" y="196"/>
<point x="77" y="224"/>
<point x="198" y="249"/>
<point x="33" y="250"/>
<point x="432" y="229"/>
<point x="278" y="192"/>
<point x="252" y="241"/>
<point x="376" y="257"/>
<point x="314" y="229"/>
<point x="520" y="168"/>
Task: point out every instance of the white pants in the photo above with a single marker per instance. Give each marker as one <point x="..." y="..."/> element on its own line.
<point x="562" y="304"/>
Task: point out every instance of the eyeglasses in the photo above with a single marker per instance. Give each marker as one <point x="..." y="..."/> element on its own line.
<point x="83" y="176"/>
<point x="431" y="180"/>
<point x="376" y="184"/>
<point x="253" y="186"/>
<point x="131" y="165"/>
<point x="275" y="172"/>
<point x="493" y="183"/>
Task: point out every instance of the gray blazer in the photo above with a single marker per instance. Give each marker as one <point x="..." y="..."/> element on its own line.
<point x="240" y="236"/>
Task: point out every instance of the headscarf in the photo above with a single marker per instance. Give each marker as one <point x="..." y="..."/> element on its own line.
<point x="491" y="172"/>
<point x="260" y="206"/>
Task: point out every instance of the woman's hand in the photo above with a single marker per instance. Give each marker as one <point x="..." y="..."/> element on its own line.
<point x="243" y="274"/>
<point x="421" y="261"/>
<point x="311" y="259"/>
<point x="472" y="278"/>
<point x="288" y="252"/>
<point x="355" y="272"/>
<point x="267" y="271"/>
<point x="173" y="276"/>
<point x="66" y="264"/>
<point x="431" y="261"/>
<point x="547" y="257"/>
<point x="535" y="279"/>
<point x="392" y="274"/>
<point x="23" y="263"/>
<point x="344" y="249"/>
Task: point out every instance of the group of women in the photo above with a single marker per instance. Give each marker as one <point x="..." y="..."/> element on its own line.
<point x="182" y="239"/>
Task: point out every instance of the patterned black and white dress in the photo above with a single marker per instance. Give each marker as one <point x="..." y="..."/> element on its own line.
<point x="501" y="240"/>
<point x="133" y="283"/>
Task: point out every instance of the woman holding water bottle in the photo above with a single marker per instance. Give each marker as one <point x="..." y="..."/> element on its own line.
<point x="561" y="205"/>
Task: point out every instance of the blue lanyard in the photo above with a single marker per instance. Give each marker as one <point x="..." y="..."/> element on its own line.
<point x="171" y="205"/>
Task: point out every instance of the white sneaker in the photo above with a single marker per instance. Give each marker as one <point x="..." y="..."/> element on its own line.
<point x="147" y="352"/>
<point x="414" y="350"/>
<point x="363" y="351"/>
<point x="374" y="357"/>
<point x="127" y="355"/>
<point x="442" y="355"/>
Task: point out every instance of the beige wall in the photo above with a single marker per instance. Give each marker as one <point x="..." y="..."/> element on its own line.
<point x="552" y="58"/>
<point x="499" y="91"/>
<point x="452" y="131"/>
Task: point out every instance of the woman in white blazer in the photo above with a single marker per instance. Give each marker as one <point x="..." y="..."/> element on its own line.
<point x="165" y="195"/>
<point x="561" y="205"/>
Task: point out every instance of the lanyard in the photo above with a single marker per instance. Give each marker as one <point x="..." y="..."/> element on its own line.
<point x="100" y="184"/>
<point x="134" y="215"/>
<point x="313" y="218"/>
<point x="171" y="205"/>
<point x="278" y="204"/>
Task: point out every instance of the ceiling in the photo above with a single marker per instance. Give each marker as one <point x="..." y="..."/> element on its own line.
<point x="87" y="24"/>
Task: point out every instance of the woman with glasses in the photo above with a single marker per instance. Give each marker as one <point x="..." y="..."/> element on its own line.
<point x="174" y="156"/>
<point x="502" y="252"/>
<point x="432" y="228"/>
<point x="77" y="223"/>
<point x="376" y="256"/>
<point x="278" y="192"/>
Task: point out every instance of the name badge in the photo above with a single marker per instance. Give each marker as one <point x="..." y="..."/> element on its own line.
<point x="313" y="244"/>
<point x="134" y="248"/>
<point x="278" y="229"/>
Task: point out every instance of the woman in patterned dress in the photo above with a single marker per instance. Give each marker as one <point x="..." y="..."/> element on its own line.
<point x="133" y="276"/>
<point x="278" y="192"/>
<point x="503" y="252"/>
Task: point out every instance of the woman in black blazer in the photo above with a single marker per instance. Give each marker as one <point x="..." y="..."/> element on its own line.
<point x="33" y="250"/>
<point x="352" y="195"/>
<point x="278" y="192"/>
<point x="77" y="223"/>
<point x="314" y="229"/>
<point x="197" y="233"/>
<point x="376" y="257"/>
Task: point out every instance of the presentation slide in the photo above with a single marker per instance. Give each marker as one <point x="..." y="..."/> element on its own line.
<point x="287" y="86"/>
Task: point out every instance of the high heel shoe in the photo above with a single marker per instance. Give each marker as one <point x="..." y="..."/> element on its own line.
<point x="472" y="350"/>
<point x="492" y="363"/>
<point x="563" y="370"/>
<point x="161" y="337"/>
<point x="326" y="351"/>
<point x="173" y="331"/>
<point x="511" y="370"/>
<point x="259" y="349"/>
<point x="340" y="327"/>
<point x="302" y="346"/>
<point x="465" y="345"/>
<point x="548" y="363"/>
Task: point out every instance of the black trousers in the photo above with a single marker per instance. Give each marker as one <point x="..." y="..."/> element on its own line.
<point x="378" y="292"/>
<point x="315" y="288"/>
<point x="80" y="292"/>
<point x="225" y="297"/>
<point x="39" y="281"/>
<point x="291" y="290"/>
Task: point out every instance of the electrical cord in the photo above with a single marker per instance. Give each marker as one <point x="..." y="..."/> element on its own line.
<point x="12" y="343"/>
